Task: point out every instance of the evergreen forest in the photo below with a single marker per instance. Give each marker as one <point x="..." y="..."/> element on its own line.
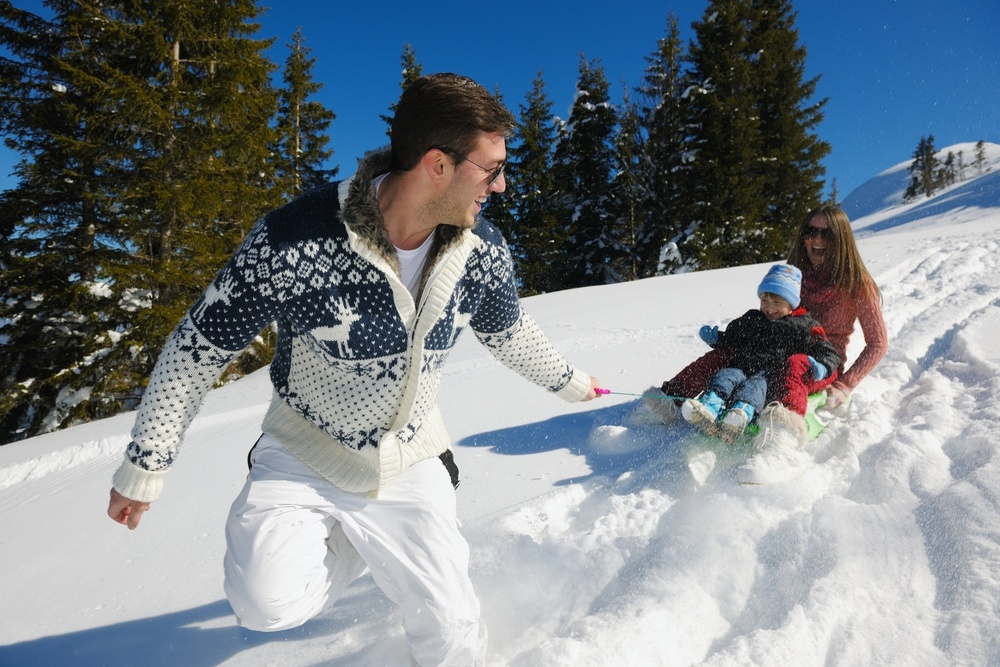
<point x="152" y="136"/>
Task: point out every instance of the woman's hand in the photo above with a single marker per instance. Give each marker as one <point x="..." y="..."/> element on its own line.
<point x="836" y="398"/>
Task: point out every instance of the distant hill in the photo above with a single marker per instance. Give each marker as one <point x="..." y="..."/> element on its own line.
<point x="885" y="191"/>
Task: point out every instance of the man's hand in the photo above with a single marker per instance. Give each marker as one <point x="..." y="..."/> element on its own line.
<point x="594" y="384"/>
<point x="125" y="511"/>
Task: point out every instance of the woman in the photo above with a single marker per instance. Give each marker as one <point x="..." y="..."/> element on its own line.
<point x="838" y="291"/>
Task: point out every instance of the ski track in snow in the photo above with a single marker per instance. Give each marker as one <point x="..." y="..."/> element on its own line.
<point x="947" y="417"/>
<point x="875" y="507"/>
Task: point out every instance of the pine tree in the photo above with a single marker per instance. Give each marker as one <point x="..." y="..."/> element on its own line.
<point x="583" y="161"/>
<point x="144" y="132"/>
<point x="756" y="164"/>
<point x="723" y="182"/>
<point x="201" y="161"/>
<point x="58" y="223"/>
<point x="412" y="70"/>
<point x="535" y="237"/>
<point x="791" y="152"/>
<point x="628" y="188"/>
<point x="499" y="207"/>
<point x="924" y="170"/>
<point x="302" y="124"/>
<point x="948" y="173"/>
<point x="663" y="134"/>
<point x="979" y="161"/>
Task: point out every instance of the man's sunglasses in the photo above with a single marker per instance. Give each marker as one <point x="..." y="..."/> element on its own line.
<point x="494" y="173"/>
<point x="824" y="233"/>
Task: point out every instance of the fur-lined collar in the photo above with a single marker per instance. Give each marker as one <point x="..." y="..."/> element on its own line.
<point x="361" y="214"/>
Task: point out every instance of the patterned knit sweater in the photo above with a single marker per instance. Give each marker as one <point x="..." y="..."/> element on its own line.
<point x="838" y="312"/>
<point x="358" y="363"/>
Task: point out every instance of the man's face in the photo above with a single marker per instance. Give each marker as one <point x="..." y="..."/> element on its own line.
<point x="470" y="186"/>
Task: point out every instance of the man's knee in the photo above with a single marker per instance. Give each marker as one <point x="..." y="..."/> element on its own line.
<point x="265" y="605"/>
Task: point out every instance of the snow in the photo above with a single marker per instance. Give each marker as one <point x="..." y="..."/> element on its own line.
<point x="596" y="539"/>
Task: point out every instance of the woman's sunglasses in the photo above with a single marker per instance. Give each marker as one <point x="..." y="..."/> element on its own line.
<point x="824" y="233"/>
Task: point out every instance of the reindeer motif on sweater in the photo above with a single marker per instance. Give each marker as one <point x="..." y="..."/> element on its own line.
<point x="340" y="333"/>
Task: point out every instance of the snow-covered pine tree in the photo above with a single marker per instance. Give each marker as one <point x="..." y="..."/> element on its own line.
<point x="628" y="186"/>
<point x="584" y="156"/>
<point x="56" y="311"/>
<point x="791" y="151"/>
<point x="923" y="170"/>
<point x="755" y="167"/>
<point x="662" y="130"/>
<point x="155" y="128"/>
<point x="499" y="209"/>
<point x="979" y="161"/>
<point x="535" y="236"/>
<point x="722" y="183"/>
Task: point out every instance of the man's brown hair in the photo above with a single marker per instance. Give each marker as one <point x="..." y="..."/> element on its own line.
<point x="443" y="111"/>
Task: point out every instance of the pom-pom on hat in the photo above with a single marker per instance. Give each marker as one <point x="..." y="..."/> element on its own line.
<point x="784" y="280"/>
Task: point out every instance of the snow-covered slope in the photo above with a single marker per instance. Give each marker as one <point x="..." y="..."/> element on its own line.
<point x="592" y="542"/>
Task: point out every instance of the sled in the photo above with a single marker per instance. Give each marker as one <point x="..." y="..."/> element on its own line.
<point x="815" y="423"/>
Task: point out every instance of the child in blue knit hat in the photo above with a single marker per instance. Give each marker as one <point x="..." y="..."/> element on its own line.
<point x="759" y="344"/>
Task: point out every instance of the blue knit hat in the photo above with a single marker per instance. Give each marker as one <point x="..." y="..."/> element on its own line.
<point x="784" y="280"/>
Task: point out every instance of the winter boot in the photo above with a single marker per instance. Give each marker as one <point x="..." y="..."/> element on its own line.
<point x="777" y="449"/>
<point x="657" y="408"/>
<point x="704" y="410"/>
<point x="736" y="420"/>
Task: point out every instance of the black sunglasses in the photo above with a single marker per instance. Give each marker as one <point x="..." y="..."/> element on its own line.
<point x="824" y="233"/>
<point x="494" y="173"/>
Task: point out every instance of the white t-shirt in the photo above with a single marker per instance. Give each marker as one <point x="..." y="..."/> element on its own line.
<point x="411" y="262"/>
<point x="411" y="265"/>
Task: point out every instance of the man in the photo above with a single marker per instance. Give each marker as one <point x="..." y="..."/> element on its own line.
<point x="370" y="282"/>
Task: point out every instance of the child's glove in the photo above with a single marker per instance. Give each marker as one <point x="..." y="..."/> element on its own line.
<point x="818" y="369"/>
<point x="709" y="334"/>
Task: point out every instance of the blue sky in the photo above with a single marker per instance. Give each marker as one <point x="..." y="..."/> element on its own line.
<point x="893" y="70"/>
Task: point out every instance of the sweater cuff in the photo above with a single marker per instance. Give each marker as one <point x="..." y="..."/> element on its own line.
<point x="842" y="387"/>
<point x="138" y="484"/>
<point x="577" y="388"/>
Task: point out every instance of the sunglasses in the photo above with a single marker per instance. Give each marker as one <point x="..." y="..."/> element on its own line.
<point x="494" y="173"/>
<point x="824" y="233"/>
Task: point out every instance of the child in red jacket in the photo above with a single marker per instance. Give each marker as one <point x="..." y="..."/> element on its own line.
<point x="758" y="346"/>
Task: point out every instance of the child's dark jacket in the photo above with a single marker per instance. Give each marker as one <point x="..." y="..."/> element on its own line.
<point x="756" y="343"/>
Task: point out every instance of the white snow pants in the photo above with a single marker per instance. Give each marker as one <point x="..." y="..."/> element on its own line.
<point x="294" y="542"/>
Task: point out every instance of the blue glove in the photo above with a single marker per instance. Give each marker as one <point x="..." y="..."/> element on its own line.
<point x="818" y="369"/>
<point x="709" y="334"/>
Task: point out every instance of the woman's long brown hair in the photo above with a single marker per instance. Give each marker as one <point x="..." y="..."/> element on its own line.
<point x="843" y="266"/>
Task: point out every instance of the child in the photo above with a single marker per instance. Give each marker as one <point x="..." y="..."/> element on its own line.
<point x="759" y="344"/>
